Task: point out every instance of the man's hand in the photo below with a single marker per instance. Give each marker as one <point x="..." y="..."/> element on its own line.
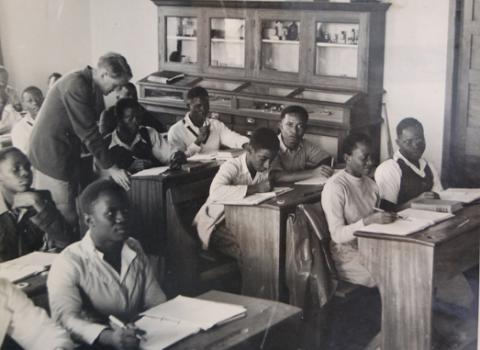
<point x="429" y="195"/>
<point x="323" y="170"/>
<point x="380" y="218"/>
<point x="119" y="338"/>
<point x="264" y="186"/>
<point x="203" y="135"/>
<point x="177" y="159"/>
<point x="140" y="164"/>
<point x="29" y="199"/>
<point x="120" y="176"/>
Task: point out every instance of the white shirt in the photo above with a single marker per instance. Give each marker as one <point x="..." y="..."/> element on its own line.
<point x="80" y="271"/>
<point x="389" y="176"/>
<point x="28" y="324"/>
<point x="231" y="182"/>
<point x="21" y="133"/>
<point x="346" y="200"/>
<point x="182" y="136"/>
<point x="9" y="117"/>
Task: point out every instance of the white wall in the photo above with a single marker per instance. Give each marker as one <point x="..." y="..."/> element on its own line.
<point x="416" y="67"/>
<point x="42" y="36"/>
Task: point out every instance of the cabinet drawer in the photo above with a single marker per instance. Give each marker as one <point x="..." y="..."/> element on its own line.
<point x="243" y="129"/>
<point x="250" y="122"/>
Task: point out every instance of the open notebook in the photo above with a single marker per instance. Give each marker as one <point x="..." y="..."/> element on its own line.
<point x="27" y="265"/>
<point x="167" y="323"/>
<point x="464" y="195"/>
<point x="257" y="198"/>
<point x="409" y="221"/>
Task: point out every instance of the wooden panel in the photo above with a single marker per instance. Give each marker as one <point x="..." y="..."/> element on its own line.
<point x="473" y="108"/>
<point x="475" y="59"/>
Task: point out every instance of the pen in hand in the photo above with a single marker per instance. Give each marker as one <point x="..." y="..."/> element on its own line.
<point x="122" y="325"/>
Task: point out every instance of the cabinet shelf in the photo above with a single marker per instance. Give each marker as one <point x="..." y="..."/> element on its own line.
<point x="180" y="37"/>
<point x="284" y="42"/>
<point x="352" y="46"/>
<point x="227" y="41"/>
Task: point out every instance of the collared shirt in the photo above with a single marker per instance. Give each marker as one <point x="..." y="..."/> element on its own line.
<point x="21" y="133"/>
<point x="230" y="183"/>
<point x="84" y="289"/>
<point x="27" y="324"/>
<point x="9" y="117"/>
<point x="306" y="156"/>
<point x="389" y="175"/>
<point x="182" y="136"/>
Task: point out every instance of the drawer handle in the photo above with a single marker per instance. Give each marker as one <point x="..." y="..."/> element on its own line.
<point x="251" y="120"/>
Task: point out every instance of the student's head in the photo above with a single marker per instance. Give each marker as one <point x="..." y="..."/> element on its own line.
<point x="127" y="91"/>
<point x="292" y="125"/>
<point x="357" y="153"/>
<point x="128" y="115"/>
<point x="3" y="78"/>
<point x="32" y="99"/>
<point x="15" y="171"/>
<point x="112" y="72"/>
<point x="410" y="139"/>
<point x="198" y="105"/>
<point x="262" y="149"/>
<point x="105" y="207"/>
<point x="52" y="79"/>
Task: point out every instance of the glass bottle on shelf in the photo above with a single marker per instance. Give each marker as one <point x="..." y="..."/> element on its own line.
<point x="181" y="40"/>
<point x="280" y="45"/>
<point x="227" y="42"/>
<point x="336" y="49"/>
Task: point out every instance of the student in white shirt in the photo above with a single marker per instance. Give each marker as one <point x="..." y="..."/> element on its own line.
<point x="32" y="99"/>
<point x="348" y="200"/>
<point x="106" y="273"/>
<point x="407" y="176"/>
<point x="196" y="133"/>
<point x="8" y="115"/>
<point x="26" y="323"/>
<point x="236" y="178"/>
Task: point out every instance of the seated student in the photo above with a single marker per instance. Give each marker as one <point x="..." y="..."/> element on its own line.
<point x="108" y="118"/>
<point x="132" y="146"/>
<point x="196" y="133"/>
<point x="348" y="199"/>
<point x="32" y="99"/>
<point x="236" y="178"/>
<point x="8" y="115"/>
<point x="12" y="95"/>
<point x="407" y="176"/>
<point x="28" y="325"/>
<point x="52" y="79"/>
<point x="298" y="158"/>
<point x="106" y="273"/>
<point x="29" y="219"/>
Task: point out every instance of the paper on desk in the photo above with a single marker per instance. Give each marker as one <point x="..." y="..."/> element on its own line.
<point x="26" y="265"/>
<point x="315" y="180"/>
<point x="399" y="227"/>
<point x="219" y="155"/>
<point x="465" y="195"/>
<point x="257" y="198"/>
<point x="152" y="171"/>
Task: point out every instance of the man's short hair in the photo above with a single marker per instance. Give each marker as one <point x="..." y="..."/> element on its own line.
<point x="116" y="65"/>
<point x="264" y="138"/>
<point x="123" y="104"/>
<point x="4" y="152"/>
<point x="34" y="91"/>
<point x="132" y="89"/>
<point x="91" y="193"/>
<point x="351" y="142"/>
<point x="294" y="109"/>
<point x="408" y="123"/>
<point x="197" y="91"/>
<point x="54" y="75"/>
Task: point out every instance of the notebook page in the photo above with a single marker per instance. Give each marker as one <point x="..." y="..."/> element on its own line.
<point x="465" y="195"/>
<point x="203" y="314"/>
<point x="257" y="198"/>
<point x="399" y="227"/>
<point x="26" y="265"/>
<point x="152" y="171"/>
<point x="427" y="215"/>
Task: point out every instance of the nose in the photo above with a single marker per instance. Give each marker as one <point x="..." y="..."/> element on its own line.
<point x="23" y="172"/>
<point x="266" y="164"/>
<point x="120" y="216"/>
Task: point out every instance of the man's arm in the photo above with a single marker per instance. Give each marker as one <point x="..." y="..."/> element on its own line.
<point x="230" y="138"/>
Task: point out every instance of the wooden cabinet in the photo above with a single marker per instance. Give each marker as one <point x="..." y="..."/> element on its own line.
<point x="257" y="57"/>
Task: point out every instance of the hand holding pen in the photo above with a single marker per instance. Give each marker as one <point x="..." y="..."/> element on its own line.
<point x="380" y="216"/>
<point x="125" y="336"/>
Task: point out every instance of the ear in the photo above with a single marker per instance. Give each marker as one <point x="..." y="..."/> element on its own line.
<point x="88" y="219"/>
<point x="397" y="141"/>
<point x="346" y="157"/>
<point x="249" y="148"/>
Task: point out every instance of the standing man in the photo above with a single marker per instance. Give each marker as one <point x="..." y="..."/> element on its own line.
<point x="69" y="118"/>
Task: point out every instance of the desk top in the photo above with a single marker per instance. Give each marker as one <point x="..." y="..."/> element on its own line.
<point x="465" y="220"/>
<point x="210" y="167"/>
<point x="261" y="316"/>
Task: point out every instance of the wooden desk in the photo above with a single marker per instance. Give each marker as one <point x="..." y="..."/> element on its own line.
<point x="260" y="231"/>
<point x="267" y="325"/>
<point x="148" y="201"/>
<point x="407" y="268"/>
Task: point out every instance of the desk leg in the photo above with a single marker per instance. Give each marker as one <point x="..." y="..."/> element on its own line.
<point x="404" y="274"/>
<point x="258" y="233"/>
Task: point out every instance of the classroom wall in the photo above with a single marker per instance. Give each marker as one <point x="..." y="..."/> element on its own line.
<point x="42" y="36"/>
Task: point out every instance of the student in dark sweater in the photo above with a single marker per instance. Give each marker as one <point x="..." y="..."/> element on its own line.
<point x="29" y="219"/>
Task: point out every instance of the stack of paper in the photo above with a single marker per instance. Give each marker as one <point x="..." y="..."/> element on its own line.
<point x="464" y="195"/>
<point x="219" y="155"/>
<point x="27" y="265"/>
<point x="152" y="171"/>
<point x="178" y="318"/>
<point x="257" y="198"/>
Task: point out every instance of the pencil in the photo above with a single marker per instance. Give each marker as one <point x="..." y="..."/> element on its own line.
<point x="332" y="161"/>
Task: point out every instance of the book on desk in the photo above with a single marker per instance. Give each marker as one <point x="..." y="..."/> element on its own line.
<point x="464" y="195"/>
<point x="257" y="198"/>
<point x="165" y="76"/>
<point x="167" y="323"/>
<point x="27" y="265"/>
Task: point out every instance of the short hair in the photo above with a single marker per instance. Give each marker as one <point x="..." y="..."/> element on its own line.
<point x="294" y="109"/>
<point x="91" y="193"/>
<point x="264" y="138"/>
<point x="351" y="142"/>
<point x="407" y="123"/>
<point x="123" y="104"/>
<point x="4" y="152"/>
<point x="34" y="91"/>
<point x="116" y="65"/>
<point x="197" y="91"/>
<point x="54" y="75"/>
<point x="132" y="89"/>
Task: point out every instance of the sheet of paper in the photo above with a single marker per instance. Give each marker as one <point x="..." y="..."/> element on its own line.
<point x="202" y="157"/>
<point x="203" y="314"/>
<point x="16" y="269"/>
<point x="161" y="333"/>
<point x="258" y="198"/>
<point x="399" y="227"/>
<point x="465" y="195"/>
<point x="425" y="215"/>
<point x="152" y="171"/>
<point x="315" y="180"/>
